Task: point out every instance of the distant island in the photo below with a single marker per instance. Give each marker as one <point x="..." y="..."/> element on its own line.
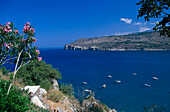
<point x="134" y="41"/>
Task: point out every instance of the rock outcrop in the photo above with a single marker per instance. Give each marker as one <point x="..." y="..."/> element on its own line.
<point x="35" y="90"/>
<point x="37" y="102"/>
<point x="55" y="84"/>
<point x="36" y="94"/>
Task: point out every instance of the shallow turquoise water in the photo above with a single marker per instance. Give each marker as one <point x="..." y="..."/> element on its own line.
<point x="129" y="96"/>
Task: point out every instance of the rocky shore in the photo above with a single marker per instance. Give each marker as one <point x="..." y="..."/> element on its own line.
<point x="39" y="98"/>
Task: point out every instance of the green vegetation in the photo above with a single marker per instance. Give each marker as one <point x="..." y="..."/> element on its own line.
<point x="38" y="73"/>
<point x="55" y="95"/>
<point x="154" y="108"/>
<point x="4" y="70"/>
<point x="67" y="89"/>
<point x="96" y="108"/>
<point x="156" y="9"/>
<point x="105" y="107"/>
<point x="135" y="41"/>
<point x="17" y="48"/>
<point x="17" y="100"/>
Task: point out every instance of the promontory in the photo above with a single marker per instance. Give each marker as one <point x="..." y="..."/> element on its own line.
<point x="135" y="41"/>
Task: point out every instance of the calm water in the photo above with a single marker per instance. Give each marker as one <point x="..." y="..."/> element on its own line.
<point x="129" y="96"/>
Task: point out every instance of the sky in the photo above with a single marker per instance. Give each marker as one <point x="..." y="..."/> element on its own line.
<point x="59" y="22"/>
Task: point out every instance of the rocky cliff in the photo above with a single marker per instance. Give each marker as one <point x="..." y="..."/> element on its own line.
<point x="136" y="41"/>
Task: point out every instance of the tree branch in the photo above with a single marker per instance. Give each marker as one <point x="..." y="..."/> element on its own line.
<point x="14" y="73"/>
<point x="8" y="60"/>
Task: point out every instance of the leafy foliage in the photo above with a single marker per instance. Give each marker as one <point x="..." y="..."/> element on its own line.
<point x="156" y="9"/>
<point x="17" y="48"/>
<point x="154" y="108"/>
<point x="55" y="95"/>
<point x="4" y="70"/>
<point x="38" y="73"/>
<point x="12" y="44"/>
<point x="96" y="108"/>
<point x="18" y="100"/>
<point x="67" y="89"/>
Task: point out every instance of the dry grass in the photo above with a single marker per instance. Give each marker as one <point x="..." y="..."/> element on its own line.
<point x="3" y="76"/>
<point x="55" y="95"/>
<point x="63" y="104"/>
<point x="7" y="77"/>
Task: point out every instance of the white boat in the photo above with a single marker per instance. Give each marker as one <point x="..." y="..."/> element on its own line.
<point x="109" y="76"/>
<point x="87" y="90"/>
<point x="118" y="81"/>
<point x="155" y="78"/>
<point x="147" y="85"/>
<point x="104" y="86"/>
<point x="134" y="73"/>
<point x="84" y="82"/>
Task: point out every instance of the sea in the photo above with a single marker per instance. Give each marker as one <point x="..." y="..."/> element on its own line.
<point x="93" y="67"/>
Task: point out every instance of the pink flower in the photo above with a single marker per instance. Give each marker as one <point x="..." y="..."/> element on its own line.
<point x="5" y="29"/>
<point x="16" y="31"/>
<point x="34" y="39"/>
<point x="26" y="28"/>
<point x="28" y="23"/>
<point x="37" y="51"/>
<point x="8" y="47"/>
<point x="32" y="29"/>
<point x="10" y="30"/>
<point x="39" y="58"/>
<point x="8" y="23"/>
<point x="5" y="44"/>
<point x="10" y="44"/>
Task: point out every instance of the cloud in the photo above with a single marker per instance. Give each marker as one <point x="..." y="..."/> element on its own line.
<point x="123" y="33"/>
<point x="143" y="29"/>
<point x="145" y="23"/>
<point x="126" y="20"/>
<point x="138" y="23"/>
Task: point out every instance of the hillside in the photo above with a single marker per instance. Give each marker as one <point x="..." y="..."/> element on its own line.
<point x="135" y="41"/>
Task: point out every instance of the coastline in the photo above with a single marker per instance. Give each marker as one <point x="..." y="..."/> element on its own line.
<point x="97" y="49"/>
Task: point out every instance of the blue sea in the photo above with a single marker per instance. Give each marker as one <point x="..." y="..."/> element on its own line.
<point x="130" y="95"/>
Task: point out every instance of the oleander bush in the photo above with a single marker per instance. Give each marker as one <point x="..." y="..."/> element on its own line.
<point x="55" y="95"/>
<point x="67" y="89"/>
<point x="38" y="73"/>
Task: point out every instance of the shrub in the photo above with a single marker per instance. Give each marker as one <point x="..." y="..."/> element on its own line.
<point x="4" y="70"/>
<point x="96" y="108"/>
<point x="55" y="95"/>
<point x="154" y="108"/>
<point x="67" y="89"/>
<point x="106" y="108"/>
<point x="17" y="101"/>
<point x="38" y="73"/>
